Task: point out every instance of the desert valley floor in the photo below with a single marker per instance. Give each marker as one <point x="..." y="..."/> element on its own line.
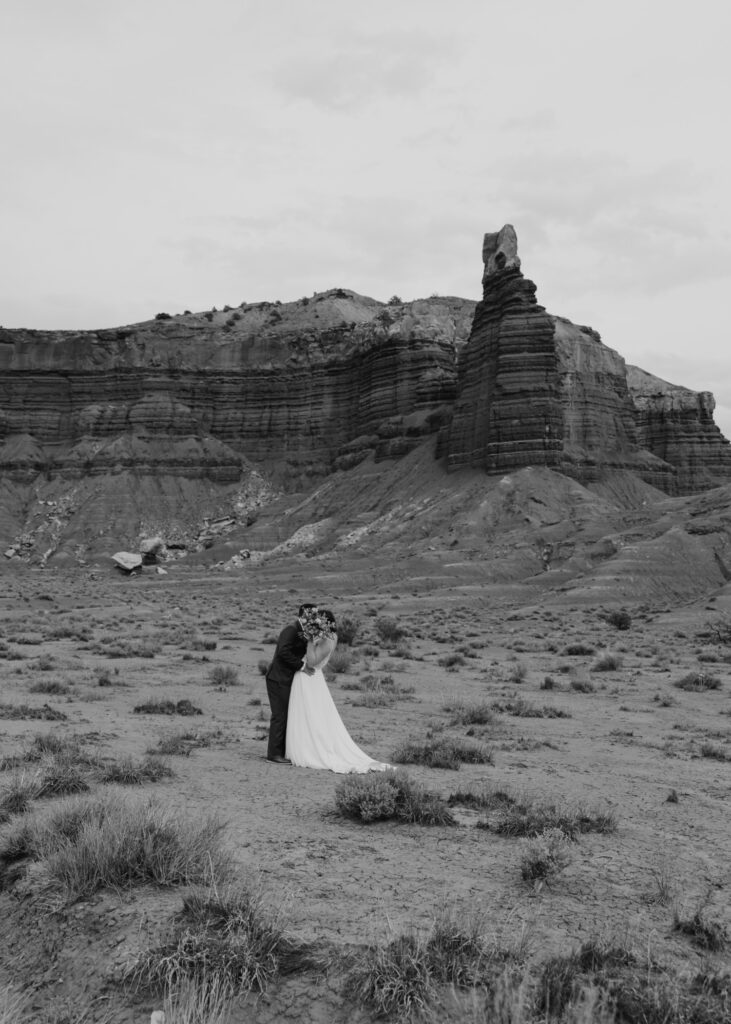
<point x="573" y="710"/>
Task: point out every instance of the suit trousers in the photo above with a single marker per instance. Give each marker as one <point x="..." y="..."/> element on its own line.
<point x="279" y="703"/>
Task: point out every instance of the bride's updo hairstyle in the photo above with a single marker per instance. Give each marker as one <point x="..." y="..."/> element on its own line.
<point x="329" y="617"/>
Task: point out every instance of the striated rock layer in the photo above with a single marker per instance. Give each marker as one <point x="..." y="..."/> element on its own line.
<point x="534" y="389"/>
<point x="178" y="425"/>
<point x="302" y="389"/>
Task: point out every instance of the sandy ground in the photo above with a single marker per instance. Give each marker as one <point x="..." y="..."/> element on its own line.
<point x="624" y="748"/>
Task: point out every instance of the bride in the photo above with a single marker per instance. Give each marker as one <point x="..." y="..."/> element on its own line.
<point x="316" y="735"/>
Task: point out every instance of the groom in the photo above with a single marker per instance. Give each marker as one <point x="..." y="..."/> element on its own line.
<point x="288" y="659"/>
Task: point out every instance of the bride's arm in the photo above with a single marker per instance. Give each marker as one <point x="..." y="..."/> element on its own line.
<point x="318" y="651"/>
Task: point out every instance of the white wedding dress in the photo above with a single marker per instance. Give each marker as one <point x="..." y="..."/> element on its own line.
<point x="316" y="735"/>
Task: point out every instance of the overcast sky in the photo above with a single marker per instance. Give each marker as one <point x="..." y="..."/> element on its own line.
<point x="180" y="154"/>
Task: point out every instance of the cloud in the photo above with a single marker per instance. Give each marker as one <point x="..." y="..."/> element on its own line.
<point x="357" y="70"/>
<point x="542" y="120"/>
<point x="610" y="224"/>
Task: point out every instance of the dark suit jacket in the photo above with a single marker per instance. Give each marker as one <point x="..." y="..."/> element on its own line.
<point x="291" y="649"/>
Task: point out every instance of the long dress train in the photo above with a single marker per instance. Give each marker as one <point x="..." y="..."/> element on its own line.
<point x="316" y="734"/>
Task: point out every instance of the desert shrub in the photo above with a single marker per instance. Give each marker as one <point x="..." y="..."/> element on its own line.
<point x="452" y="661"/>
<point x="388" y="630"/>
<point x="199" y="643"/>
<point x="517" y="673"/>
<point x="715" y="751"/>
<point x="485" y="798"/>
<point x="340" y="661"/>
<point x="607" y="663"/>
<point x="223" y="936"/>
<point x="18" y="794"/>
<point x="719" y="630"/>
<point x="576" y="650"/>
<point x="401" y="650"/>
<point x="348" y="629"/>
<point x="394" y="981"/>
<point x="697" y="682"/>
<point x="627" y="993"/>
<point x="582" y="686"/>
<point x="50" y="686"/>
<point x="263" y="666"/>
<point x="171" y="745"/>
<point x="400" y="980"/>
<point x="127" y="772"/>
<point x="702" y="931"/>
<point x="379" y="691"/>
<point x="524" y="709"/>
<point x="529" y="818"/>
<point x="19" y="711"/>
<point x="471" y="714"/>
<point x="87" y="843"/>
<point x="223" y="676"/>
<point x="442" y="753"/>
<point x="185" y="741"/>
<point x="375" y="699"/>
<point x="545" y="856"/>
<point x="380" y="796"/>
<point x="620" y="619"/>
<point x="549" y="683"/>
<point x="166" y="707"/>
<point x="126" y="649"/>
<point x="61" y="777"/>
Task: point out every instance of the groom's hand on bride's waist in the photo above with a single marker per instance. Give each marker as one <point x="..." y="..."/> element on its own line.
<point x="308" y="671"/>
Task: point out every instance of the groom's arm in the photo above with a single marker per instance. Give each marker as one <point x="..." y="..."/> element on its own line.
<point x="286" y="652"/>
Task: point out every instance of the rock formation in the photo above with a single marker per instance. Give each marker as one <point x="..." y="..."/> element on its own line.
<point x="165" y="427"/>
<point x="300" y="389"/>
<point x="535" y="389"/>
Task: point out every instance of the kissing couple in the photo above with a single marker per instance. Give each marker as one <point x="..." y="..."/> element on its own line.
<point x="305" y="728"/>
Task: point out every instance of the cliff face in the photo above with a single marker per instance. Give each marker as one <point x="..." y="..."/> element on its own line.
<point x="165" y="426"/>
<point x="534" y="389"/>
<point x="300" y="388"/>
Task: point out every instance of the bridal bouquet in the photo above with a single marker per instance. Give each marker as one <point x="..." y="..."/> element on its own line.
<point x="316" y="627"/>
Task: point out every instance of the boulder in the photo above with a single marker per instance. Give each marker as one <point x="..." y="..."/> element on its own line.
<point x="127" y="561"/>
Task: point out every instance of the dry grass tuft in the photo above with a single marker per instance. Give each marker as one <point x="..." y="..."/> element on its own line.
<point x="127" y="772"/>
<point x="85" y="844"/>
<point x="223" y="943"/>
<point x="443" y="752"/>
<point x="403" y="979"/>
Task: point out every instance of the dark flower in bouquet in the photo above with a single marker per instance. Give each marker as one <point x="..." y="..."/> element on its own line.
<point x="315" y="626"/>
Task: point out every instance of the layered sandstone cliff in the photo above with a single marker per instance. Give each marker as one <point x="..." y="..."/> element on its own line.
<point x="166" y="426"/>
<point x="535" y="389"/>
<point x="299" y="388"/>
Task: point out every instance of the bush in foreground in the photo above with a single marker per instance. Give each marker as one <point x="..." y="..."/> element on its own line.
<point x="390" y="795"/>
<point x="401" y="980"/>
<point x="85" y="844"/>
<point x="222" y="941"/>
<point x="545" y="856"/>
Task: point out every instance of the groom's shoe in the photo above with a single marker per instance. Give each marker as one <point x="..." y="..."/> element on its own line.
<point x="278" y="759"/>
